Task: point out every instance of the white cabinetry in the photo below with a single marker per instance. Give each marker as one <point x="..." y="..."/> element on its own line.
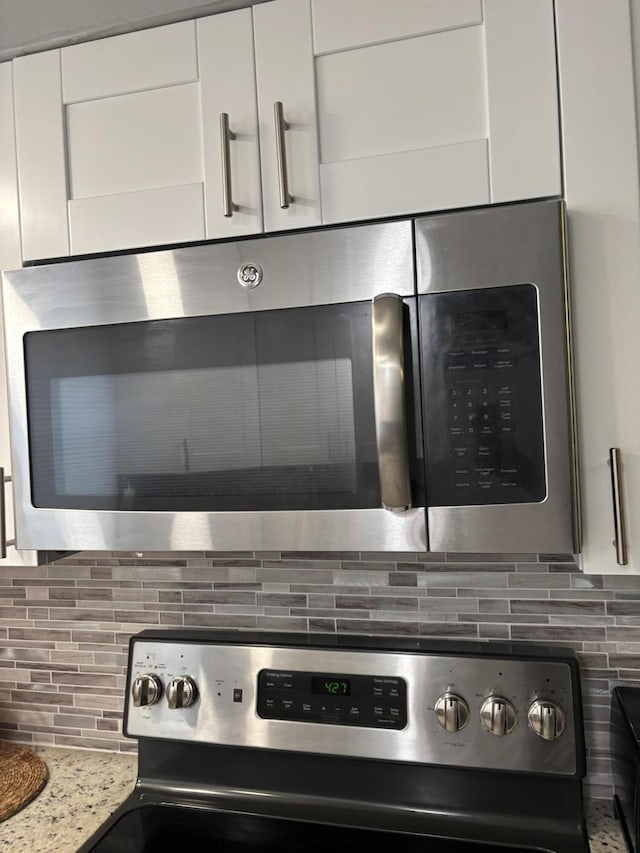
<point x="119" y="140"/>
<point x="420" y="106"/>
<point x="601" y="185"/>
<point x="433" y="105"/>
<point x="10" y="258"/>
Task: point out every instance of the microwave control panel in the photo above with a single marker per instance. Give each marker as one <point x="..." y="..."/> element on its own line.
<point x="483" y="396"/>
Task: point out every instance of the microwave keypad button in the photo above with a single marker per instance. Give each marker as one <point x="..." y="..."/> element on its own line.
<point x="504" y="363"/>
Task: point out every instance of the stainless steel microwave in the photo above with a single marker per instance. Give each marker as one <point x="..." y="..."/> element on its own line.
<point x="398" y="386"/>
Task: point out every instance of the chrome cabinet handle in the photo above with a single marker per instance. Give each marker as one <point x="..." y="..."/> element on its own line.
<point x="389" y="402"/>
<point x="281" y="153"/>
<point x="620" y="542"/>
<point x="226" y="135"/>
<point x="4" y="542"/>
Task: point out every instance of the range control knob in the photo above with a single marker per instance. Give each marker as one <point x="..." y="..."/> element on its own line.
<point x="498" y="715"/>
<point x="452" y="712"/>
<point x="146" y="690"/>
<point x="181" y="692"/>
<point x="547" y="719"/>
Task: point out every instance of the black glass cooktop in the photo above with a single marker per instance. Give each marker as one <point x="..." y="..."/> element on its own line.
<point x="168" y="828"/>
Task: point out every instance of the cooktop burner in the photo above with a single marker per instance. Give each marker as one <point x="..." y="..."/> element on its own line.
<point x="310" y="744"/>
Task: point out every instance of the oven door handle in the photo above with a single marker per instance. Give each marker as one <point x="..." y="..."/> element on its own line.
<point x="389" y="402"/>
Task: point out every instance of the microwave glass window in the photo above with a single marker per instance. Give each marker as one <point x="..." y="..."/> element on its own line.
<point x="241" y="431"/>
<point x="271" y="410"/>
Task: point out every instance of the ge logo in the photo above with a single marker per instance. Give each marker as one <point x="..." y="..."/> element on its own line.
<point x="250" y="275"/>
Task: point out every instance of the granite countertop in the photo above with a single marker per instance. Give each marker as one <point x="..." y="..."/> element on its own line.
<point x="85" y="786"/>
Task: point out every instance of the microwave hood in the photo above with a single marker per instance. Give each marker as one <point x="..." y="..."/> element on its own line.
<point x="388" y="386"/>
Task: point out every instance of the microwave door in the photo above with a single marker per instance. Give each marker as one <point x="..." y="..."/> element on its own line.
<point x="243" y="421"/>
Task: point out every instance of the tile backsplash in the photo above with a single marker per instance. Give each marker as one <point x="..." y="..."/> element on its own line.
<point x="64" y="627"/>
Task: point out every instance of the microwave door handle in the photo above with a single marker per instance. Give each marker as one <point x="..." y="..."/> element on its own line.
<point x="389" y="402"/>
<point x="4" y="542"/>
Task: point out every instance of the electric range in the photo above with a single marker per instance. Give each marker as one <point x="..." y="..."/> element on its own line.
<point x="302" y="742"/>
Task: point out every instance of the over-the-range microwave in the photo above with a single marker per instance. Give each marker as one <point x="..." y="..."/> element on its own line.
<point x="390" y="386"/>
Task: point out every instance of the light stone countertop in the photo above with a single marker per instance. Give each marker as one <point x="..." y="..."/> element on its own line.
<point x="83" y="789"/>
<point x="86" y="786"/>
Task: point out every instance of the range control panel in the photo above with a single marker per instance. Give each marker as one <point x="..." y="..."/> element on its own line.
<point x="474" y="710"/>
<point x="377" y="701"/>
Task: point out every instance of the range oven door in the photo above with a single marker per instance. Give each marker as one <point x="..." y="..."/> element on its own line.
<point x="159" y="403"/>
<point x="168" y="827"/>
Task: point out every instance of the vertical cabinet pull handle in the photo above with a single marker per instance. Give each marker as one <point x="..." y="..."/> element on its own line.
<point x="389" y="402"/>
<point x="226" y="135"/>
<point x="281" y="153"/>
<point x="620" y="542"/>
<point x="4" y="542"/>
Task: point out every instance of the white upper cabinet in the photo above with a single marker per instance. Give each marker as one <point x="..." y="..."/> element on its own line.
<point x="288" y="142"/>
<point x="119" y="140"/>
<point x="601" y="180"/>
<point x="431" y="104"/>
<point x="304" y="111"/>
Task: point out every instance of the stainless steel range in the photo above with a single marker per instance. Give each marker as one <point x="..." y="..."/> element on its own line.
<point x="285" y="742"/>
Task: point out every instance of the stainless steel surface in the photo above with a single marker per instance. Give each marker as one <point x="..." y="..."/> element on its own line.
<point x="455" y="251"/>
<point x="146" y="690"/>
<point x="620" y="541"/>
<point x="546" y="719"/>
<point x="452" y="712"/>
<point x="216" y="718"/>
<point x="312" y="268"/>
<point x="226" y="136"/>
<point x="498" y="716"/>
<point x="4" y="542"/>
<point x="181" y="692"/>
<point x="281" y="153"/>
<point x="389" y="402"/>
<point x="517" y="244"/>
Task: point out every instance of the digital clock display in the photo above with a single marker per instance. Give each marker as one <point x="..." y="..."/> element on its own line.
<point x="478" y="321"/>
<point x="331" y="685"/>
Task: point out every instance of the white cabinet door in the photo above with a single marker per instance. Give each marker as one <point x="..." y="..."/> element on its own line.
<point x="601" y="176"/>
<point x="119" y="139"/>
<point x="432" y="105"/>
<point x="285" y="75"/>
<point x="10" y="258"/>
